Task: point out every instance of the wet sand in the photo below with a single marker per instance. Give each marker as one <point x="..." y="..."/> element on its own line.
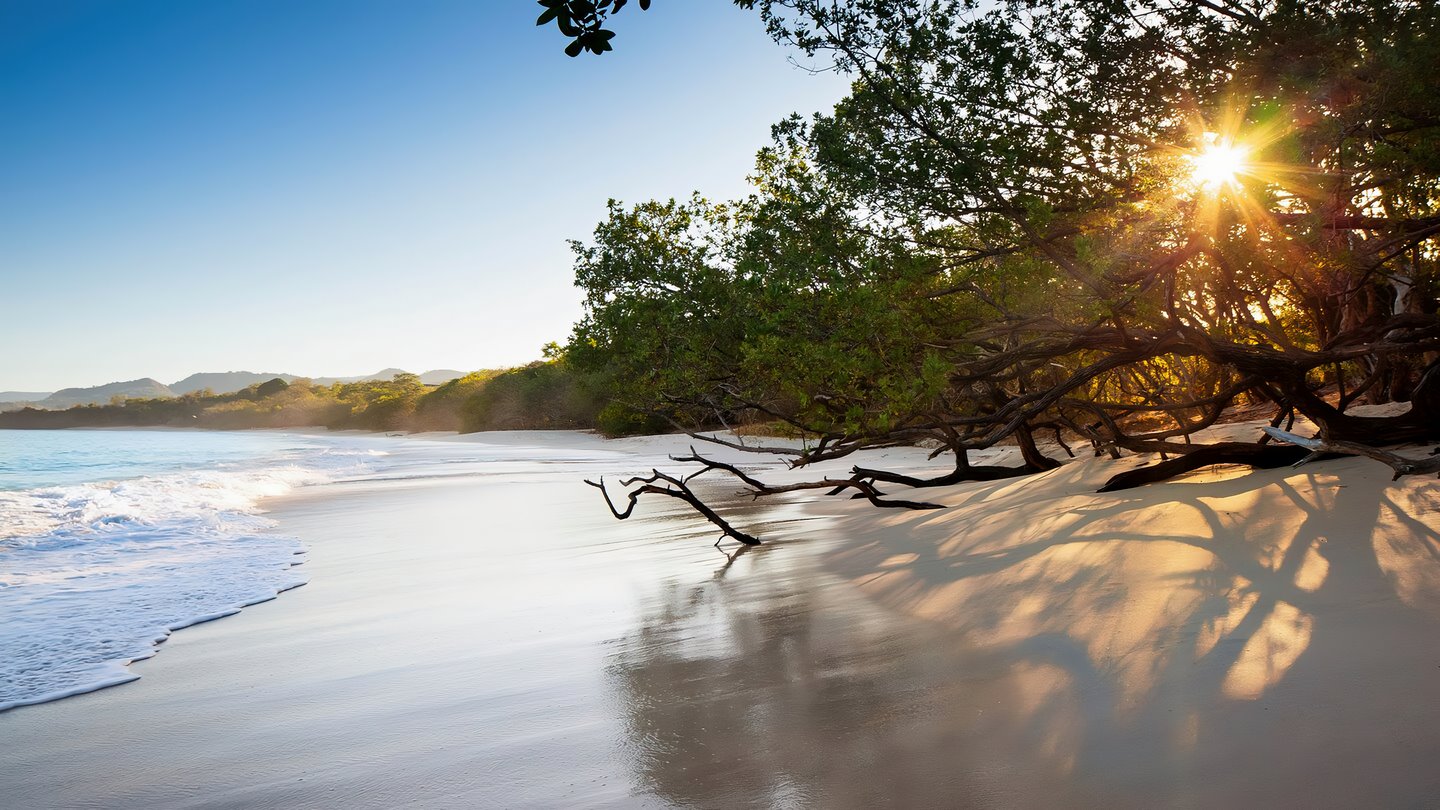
<point x="498" y="640"/>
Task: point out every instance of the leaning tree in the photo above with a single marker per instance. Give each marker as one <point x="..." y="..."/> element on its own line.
<point x="1121" y="219"/>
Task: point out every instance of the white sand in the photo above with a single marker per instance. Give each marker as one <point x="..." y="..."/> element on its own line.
<point x="1231" y="638"/>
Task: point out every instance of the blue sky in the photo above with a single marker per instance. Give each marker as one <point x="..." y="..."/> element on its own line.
<point x="334" y="186"/>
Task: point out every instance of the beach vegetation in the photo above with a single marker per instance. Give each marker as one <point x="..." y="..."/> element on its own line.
<point x="544" y="395"/>
<point x="1098" y="224"/>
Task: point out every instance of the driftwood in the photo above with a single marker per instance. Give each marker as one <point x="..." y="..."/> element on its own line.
<point x="962" y="473"/>
<point x="659" y="483"/>
<point x="674" y="488"/>
<point x="1260" y="456"/>
<point x="1321" y="447"/>
<point x="864" y="488"/>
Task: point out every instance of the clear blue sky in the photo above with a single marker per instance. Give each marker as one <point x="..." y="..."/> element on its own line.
<point x="334" y="186"/>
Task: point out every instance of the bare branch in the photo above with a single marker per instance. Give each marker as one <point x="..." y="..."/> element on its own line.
<point x="1400" y="464"/>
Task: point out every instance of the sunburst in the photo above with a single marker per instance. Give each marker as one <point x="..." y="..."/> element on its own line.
<point x="1218" y="165"/>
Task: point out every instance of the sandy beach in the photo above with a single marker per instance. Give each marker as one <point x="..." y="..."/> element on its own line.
<point x="497" y="639"/>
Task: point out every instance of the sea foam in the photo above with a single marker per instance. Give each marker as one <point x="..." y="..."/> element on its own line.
<point x="94" y="575"/>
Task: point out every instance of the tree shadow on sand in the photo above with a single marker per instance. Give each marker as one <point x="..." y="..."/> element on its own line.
<point x="1266" y="638"/>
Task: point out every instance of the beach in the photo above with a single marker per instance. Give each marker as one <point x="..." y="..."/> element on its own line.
<point x="495" y="638"/>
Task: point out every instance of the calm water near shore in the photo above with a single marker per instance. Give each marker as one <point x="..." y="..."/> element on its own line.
<point x="484" y="634"/>
<point x="110" y="539"/>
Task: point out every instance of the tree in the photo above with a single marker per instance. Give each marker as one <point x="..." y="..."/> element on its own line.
<point x="1286" y="269"/>
<point x="778" y="306"/>
<point x="1123" y="217"/>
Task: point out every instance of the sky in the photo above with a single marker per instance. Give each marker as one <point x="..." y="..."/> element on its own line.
<point x="331" y="187"/>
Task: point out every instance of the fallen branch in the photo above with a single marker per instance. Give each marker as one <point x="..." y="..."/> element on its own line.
<point x="1318" y="447"/>
<point x="659" y="483"/>
<point x="962" y="473"/>
<point x="675" y="488"/>
<point x="865" y="488"/>
<point x="1259" y="456"/>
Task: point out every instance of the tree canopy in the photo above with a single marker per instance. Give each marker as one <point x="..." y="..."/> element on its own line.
<point x="1106" y="221"/>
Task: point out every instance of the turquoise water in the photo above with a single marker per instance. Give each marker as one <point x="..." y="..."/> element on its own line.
<point x="47" y="458"/>
<point x="110" y="539"/>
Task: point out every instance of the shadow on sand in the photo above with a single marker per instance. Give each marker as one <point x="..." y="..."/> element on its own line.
<point x="1256" y="639"/>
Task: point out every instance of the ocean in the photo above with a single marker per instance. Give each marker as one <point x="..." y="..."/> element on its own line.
<point x="111" y="539"/>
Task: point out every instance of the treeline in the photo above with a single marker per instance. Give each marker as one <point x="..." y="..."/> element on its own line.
<point x="548" y="394"/>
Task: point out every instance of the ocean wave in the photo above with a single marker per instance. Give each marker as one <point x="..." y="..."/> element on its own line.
<point x="93" y="576"/>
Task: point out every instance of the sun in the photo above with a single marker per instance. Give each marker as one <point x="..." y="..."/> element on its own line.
<point x="1217" y="165"/>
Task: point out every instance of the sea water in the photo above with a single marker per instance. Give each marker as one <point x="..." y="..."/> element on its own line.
<point x="111" y="539"/>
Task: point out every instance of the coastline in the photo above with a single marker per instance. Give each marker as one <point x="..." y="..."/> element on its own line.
<point x="304" y="684"/>
<point x="1233" y="636"/>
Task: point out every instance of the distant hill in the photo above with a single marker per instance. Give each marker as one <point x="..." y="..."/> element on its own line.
<point x="382" y="374"/>
<point x="220" y="382"/>
<point x="224" y="382"/>
<point x="15" y="400"/>
<point x="145" y="388"/>
<point x="440" y="375"/>
<point x="432" y="377"/>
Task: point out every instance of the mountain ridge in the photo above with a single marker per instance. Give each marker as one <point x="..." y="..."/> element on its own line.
<point x="145" y="387"/>
<point x="219" y="382"/>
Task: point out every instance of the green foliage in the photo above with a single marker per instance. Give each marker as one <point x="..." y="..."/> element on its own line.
<point x="1000" y="218"/>
<point x="378" y="405"/>
<point x="442" y="407"/>
<point x="544" y="395"/>
<point x="783" y="303"/>
<point x="618" y="419"/>
<point x="270" y="388"/>
<point x="660" y="311"/>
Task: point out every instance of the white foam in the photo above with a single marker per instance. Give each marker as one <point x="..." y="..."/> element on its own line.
<point x="93" y="576"/>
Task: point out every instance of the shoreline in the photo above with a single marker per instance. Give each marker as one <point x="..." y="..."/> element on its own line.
<point x="1231" y="636"/>
<point x="234" y="683"/>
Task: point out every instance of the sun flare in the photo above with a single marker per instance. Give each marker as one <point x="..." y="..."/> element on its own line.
<point x="1217" y="165"/>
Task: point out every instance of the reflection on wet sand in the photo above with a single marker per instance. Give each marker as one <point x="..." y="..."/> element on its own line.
<point x="771" y="685"/>
<point x="1241" y="641"/>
